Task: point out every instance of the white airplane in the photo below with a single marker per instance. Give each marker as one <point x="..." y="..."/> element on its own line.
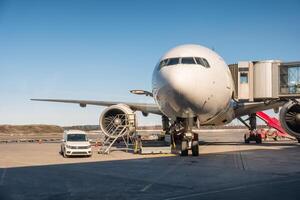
<point x="193" y="86"/>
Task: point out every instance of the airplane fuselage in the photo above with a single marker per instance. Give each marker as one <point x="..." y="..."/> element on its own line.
<point x="193" y="81"/>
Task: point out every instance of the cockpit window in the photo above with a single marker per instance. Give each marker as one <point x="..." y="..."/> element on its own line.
<point x="203" y="62"/>
<point x="188" y="60"/>
<point x="184" y="60"/>
<point x="163" y="63"/>
<point x="199" y="61"/>
<point x="173" y="61"/>
<point x="206" y="64"/>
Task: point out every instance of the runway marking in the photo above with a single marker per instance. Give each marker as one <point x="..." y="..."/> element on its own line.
<point x="242" y="161"/>
<point x="3" y="176"/>
<point x="230" y="189"/>
<point x="242" y="158"/>
<point x="239" y="159"/>
<point x="144" y="189"/>
<point x="167" y="171"/>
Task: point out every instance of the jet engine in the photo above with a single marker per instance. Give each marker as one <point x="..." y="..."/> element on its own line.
<point x="290" y="118"/>
<point x="117" y="120"/>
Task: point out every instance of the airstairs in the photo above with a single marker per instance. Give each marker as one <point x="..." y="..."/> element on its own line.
<point x="120" y="132"/>
<point x="274" y="123"/>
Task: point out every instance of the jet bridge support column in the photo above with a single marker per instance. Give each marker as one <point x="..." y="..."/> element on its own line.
<point x="252" y="121"/>
<point x="253" y="135"/>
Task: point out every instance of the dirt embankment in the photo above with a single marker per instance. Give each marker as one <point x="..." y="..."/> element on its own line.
<point x="30" y="129"/>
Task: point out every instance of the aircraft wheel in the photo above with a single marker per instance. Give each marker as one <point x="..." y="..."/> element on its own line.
<point x="184" y="148"/>
<point x="246" y="139"/>
<point x="298" y="139"/>
<point x="195" y="148"/>
<point x="258" y="139"/>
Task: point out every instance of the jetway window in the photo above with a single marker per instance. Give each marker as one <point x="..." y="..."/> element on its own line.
<point x="290" y="79"/>
<point x="244" y="78"/>
<point x="188" y="60"/>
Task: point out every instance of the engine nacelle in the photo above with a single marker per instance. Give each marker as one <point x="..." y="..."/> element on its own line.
<point x="117" y="119"/>
<point x="289" y="117"/>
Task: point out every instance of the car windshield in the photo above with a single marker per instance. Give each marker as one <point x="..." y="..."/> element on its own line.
<point x="76" y="137"/>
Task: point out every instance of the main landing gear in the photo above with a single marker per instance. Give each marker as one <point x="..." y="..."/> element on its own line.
<point x="190" y="143"/>
<point x="253" y="135"/>
<point x="182" y="136"/>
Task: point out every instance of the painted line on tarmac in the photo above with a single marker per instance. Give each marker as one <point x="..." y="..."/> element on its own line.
<point x="239" y="159"/>
<point x="242" y="159"/>
<point x="144" y="189"/>
<point x="170" y="169"/>
<point x="182" y="159"/>
<point x="232" y="189"/>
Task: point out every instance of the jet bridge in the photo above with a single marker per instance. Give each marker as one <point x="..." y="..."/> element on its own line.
<point x="262" y="80"/>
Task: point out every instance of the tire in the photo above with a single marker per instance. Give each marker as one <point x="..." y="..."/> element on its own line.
<point x="184" y="148"/>
<point x="247" y="141"/>
<point x="64" y="154"/>
<point x="258" y="139"/>
<point x="195" y="148"/>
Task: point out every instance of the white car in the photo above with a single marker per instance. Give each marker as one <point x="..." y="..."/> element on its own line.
<point x="75" y="143"/>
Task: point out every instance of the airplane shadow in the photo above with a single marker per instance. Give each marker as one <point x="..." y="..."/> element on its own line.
<point x="239" y="174"/>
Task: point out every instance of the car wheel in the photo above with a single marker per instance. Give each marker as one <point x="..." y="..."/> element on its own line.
<point x="64" y="154"/>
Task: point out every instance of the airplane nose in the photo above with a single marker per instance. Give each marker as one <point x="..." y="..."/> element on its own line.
<point x="186" y="86"/>
<point x="184" y="80"/>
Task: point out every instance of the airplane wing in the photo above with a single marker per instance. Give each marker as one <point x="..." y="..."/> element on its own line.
<point x="246" y="108"/>
<point x="143" y="107"/>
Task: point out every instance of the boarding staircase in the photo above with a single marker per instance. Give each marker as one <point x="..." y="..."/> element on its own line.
<point x="121" y="132"/>
<point x="274" y="123"/>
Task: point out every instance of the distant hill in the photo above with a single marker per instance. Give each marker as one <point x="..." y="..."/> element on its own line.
<point x="82" y="127"/>
<point x="29" y="129"/>
<point x="42" y="129"/>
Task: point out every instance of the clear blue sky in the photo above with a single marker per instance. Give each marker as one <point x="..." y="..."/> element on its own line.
<point x="102" y="49"/>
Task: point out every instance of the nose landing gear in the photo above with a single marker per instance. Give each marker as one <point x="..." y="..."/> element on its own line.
<point x="190" y="143"/>
<point x="183" y="138"/>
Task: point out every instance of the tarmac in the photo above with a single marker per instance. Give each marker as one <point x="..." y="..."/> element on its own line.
<point x="226" y="169"/>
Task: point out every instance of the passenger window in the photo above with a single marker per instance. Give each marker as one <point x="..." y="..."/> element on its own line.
<point x="188" y="60"/>
<point x="173" y="61"/>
